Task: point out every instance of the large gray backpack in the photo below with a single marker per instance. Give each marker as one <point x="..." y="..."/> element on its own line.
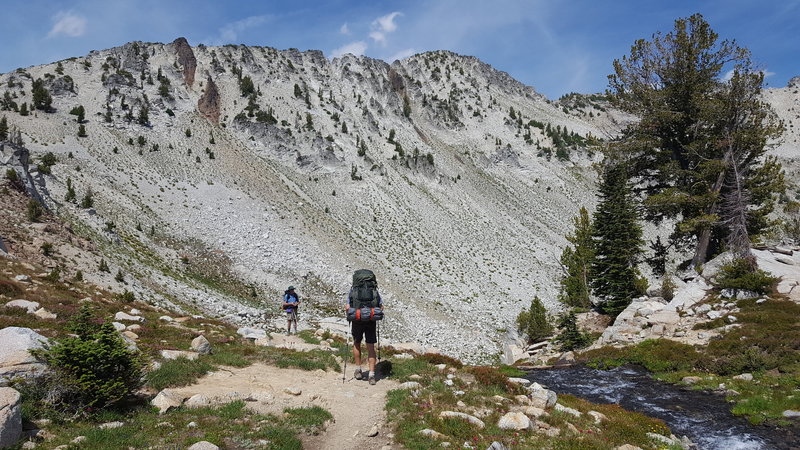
<point x="365" y="297"/>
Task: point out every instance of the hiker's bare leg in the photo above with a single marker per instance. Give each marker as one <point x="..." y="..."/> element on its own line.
<point x="357" y="352"/>
<point x="372" y="358"/>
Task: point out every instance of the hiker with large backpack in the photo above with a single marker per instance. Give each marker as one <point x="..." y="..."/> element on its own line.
<point x="364" y="308"/>
<point x="291" y="302"/>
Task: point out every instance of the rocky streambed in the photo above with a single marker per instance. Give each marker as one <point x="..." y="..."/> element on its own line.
<point x="703" y="417"/>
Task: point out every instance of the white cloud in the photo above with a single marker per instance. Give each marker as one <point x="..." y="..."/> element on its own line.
<point x="382" y="26"/>
<point x="68" y="24"/>
<point x="729" y="74"/>
<point x="402" y="54"/>
<point x="229" y="33"/>
<point x="344" y="29"/>
<point x="356" y="48"/>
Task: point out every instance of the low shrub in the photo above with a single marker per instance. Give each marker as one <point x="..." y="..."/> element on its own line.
<point x="739" y="274"/>
<point x="436" y="358"/>
<point x="491" y="376"/>
<point x="656" y="355"/>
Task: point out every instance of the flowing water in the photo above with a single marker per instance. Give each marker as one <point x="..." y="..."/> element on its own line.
<point x="702" y="416"/>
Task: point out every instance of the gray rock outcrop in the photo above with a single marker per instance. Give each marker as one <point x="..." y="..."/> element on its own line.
<point x="10" y="417"/>
<point x="15" y="358"/>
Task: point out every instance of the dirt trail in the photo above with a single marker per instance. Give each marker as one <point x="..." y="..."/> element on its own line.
<point x="355" y="405"/>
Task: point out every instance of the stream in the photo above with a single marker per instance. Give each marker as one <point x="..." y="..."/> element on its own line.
<point x="702" y="416"/>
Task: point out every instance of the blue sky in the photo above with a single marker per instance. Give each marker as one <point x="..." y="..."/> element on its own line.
<point x="556" y="46"/>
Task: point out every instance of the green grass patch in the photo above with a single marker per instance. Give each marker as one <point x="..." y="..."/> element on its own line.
<point x="228" y="426"/>
<point x="178" y="372"/>
<point x="308" y="337"/>
<point x="313" y="416"/>
<point x="311" y="360"/>
<point x="511" y="371"/>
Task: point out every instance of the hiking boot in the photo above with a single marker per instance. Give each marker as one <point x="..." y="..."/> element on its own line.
<point x="372" y="380"/>
<point x="357" y="374"/>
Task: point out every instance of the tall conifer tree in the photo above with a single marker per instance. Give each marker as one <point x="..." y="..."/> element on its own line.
<point x="576" y="262"/>
<point x="618" y="243"/>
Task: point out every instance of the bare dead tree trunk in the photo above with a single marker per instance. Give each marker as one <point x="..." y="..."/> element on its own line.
<point x="734" y="211"/>
<point x="704" y="238"/>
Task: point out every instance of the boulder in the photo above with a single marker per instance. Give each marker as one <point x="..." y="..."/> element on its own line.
<point x="130" y="335"/>
<point x="118" y="326"/>
<point x="497" y="446"/>
<point x="512" y="353"/>
<point x="201" y="345"/>
<point x="521" y="381"/>
<point x="409" y="385"/>
<point x="293" y="390"/>
<point x="15" y="357"/>
<point x="125" y="316"/>
<point x="627" y="447"/>
<point x="166" y="400"/>
<point x="373" y="431"/>
<point x="597" y="416"/>
<point x="175" y="354"/>
<point x="23" y="278"/>
<point x="197" y="401"/>
<point x="744" y="377"/>
<point x="10" y="417"/>
<point x="110" y="425"/>
<point x="166" y="319"/>
<point x="690" y="380"/>
<point x="533" y="411"/>
<point x="203" y="445"/>
<point x="463" y="416"/>
<point x="427" y="432"/>
<point x="565" y="409"/>
<point x="789" y="413"/>
<point x="251" y="333"/>
<point x="514" y="421"/>
<point x="29" y="306"/>
<point x="542" y="398"/>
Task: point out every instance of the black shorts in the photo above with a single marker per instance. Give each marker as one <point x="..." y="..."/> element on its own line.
<point x="365" y="329"/>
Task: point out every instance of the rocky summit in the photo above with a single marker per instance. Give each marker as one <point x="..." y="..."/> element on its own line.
<point x="217" y="176"/>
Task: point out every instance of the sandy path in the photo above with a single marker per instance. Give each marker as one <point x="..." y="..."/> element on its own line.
<point x="355" y="405"/>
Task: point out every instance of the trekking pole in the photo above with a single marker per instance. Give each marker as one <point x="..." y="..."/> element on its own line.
<point x="378" y="331"/>
<point x="347" y="355"/>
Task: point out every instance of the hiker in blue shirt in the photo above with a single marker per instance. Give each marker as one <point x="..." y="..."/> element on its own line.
<point x="291" y="302"/>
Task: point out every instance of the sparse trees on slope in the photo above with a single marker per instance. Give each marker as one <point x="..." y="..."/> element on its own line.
<point x="3" y="128"/>
<point x="576" y="262"/>
<point x="691" y="118"/>
<point x="618" y="243"/>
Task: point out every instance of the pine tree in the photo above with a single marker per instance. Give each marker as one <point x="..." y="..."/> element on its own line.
<point x="23" y="109"/>
<point x="695" y="127"/>
<point x="406" y="106"/>
<point x="82" y="130"/>
<point x="534" y="323"/>
<point x="41" y="96"/>
<point x="3" y="128"/>
<point x="103" y="266"/>
<point x="571" y="337"/>
<point x="88" y="200"/>
<point x="576" y="262"/>
<point x="618" y="241"/>
<point x="144" y="116"/>
<point x="658" y="262"/>
<point x="70" y="196"/>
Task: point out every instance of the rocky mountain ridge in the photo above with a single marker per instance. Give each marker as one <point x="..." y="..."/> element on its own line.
<point x="228" y="173"/>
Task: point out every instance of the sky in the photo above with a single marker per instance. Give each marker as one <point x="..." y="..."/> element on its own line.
<point x="556" y="46"/>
